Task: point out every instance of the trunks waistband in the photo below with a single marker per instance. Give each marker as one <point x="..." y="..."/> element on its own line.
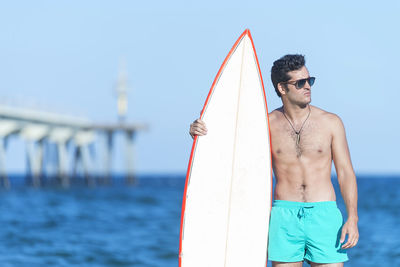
<point x="296" y="204"/>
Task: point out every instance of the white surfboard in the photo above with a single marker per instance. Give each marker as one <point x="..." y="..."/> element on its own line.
<point x="228" y="191"/>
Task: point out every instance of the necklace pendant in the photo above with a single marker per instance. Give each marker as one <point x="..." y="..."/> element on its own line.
<point x="298" y="139"/>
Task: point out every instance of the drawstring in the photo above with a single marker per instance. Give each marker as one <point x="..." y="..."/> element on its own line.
<point x="302" y="213"/>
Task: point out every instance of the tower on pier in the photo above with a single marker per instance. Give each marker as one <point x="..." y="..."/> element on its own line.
<point x="122" y="90"/>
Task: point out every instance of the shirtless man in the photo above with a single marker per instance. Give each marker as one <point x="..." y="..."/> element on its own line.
<point x="305" y="222"/>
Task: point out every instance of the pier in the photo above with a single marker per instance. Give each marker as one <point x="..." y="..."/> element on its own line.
<point x="48" y="137"/>
<point x="40" y="129"/>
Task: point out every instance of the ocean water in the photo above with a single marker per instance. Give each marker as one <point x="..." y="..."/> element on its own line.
<point x="139" y="225"/>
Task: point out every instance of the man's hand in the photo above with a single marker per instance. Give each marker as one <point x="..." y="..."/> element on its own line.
<point x="198" y="127"/>
<point x="349" y="228"/>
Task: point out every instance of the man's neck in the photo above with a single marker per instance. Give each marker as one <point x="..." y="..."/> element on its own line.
<point x="296" y="113"/>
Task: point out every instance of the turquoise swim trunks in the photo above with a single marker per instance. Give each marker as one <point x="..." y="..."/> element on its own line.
<point x="305" y="231"/>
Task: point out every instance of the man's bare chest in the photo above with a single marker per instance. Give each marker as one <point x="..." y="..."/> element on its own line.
<point x="312" y="141"/>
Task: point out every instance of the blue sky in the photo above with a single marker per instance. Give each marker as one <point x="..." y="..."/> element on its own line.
<point x="65" y="55"/>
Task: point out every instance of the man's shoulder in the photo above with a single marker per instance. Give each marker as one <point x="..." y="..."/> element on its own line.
<point x="274" y="112"/>
<point x="329" y="119"/>
<point x="273" y="115"/>
<point x="325" y="115"/>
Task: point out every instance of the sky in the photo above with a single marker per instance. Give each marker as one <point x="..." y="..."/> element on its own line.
<point x="64" y="56"/>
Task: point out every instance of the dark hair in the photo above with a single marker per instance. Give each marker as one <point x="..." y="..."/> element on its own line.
<point x="284" y="65"/>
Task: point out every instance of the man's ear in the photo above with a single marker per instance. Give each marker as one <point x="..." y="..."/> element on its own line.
<point x="281" y="89"/>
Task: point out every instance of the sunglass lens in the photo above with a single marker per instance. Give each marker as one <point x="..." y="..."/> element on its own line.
<point x="311" y="80"/>
<point x="300" y="83"/>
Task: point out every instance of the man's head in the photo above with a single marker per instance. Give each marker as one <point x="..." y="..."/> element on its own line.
<point x="281" y="67"/>
<point x="288" y="74"/>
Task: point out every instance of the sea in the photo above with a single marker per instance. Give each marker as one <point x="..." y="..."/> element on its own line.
<point x="138" y="225"/>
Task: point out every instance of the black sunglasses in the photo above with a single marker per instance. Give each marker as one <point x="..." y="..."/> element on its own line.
<point x="300" y="83"/>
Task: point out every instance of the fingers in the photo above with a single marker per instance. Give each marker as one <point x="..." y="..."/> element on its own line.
<point x="198" y="127"/>
<point x="351" y="230"/>
<point x="343" y="236"/>
<point x="197" y="131"/>
<point x="346" y="245"/>
<point x="356" y="240"/>
<point x="352" y="241"/>
<point x="200" y="122"/>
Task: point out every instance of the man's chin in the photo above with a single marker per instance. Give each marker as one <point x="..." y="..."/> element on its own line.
<point x="305" y="104"/>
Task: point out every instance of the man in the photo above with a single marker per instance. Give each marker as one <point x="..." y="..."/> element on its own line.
<point x="305" y="222"/>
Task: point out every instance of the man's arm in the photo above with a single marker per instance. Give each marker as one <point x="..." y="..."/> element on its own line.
<point x="347" y="182"/>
